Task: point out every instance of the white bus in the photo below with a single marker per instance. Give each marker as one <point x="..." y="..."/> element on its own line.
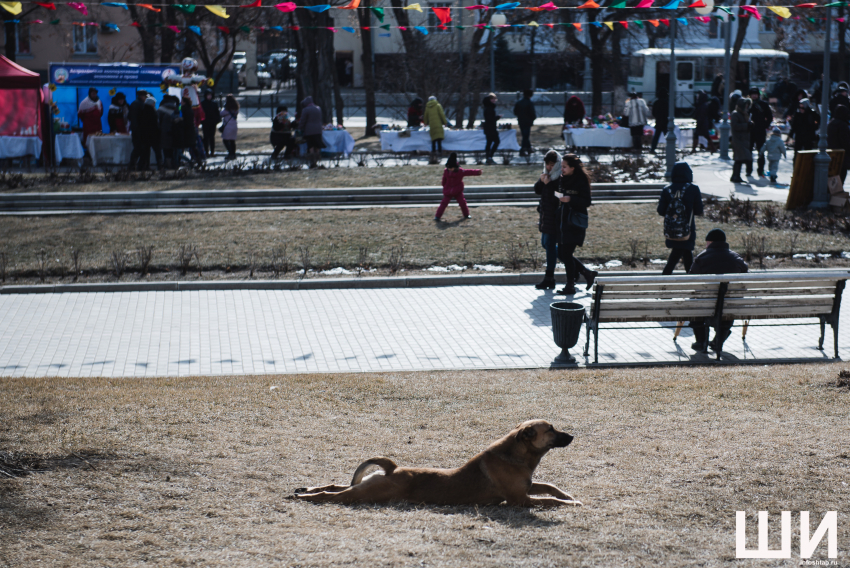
<point x="649" y="71"/>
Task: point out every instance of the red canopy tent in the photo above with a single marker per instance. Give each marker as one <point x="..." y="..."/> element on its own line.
<point x="20" y="100"/>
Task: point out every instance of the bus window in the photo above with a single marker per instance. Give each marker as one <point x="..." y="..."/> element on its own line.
<point x="685" y="71"/>
<point x="636" y="66"/>
<point x="758" y="70"/>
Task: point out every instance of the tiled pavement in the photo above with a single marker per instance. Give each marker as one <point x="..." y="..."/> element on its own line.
<point x="265" y="331"/>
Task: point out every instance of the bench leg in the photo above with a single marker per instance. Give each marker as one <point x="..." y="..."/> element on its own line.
<point x="596" y="344"/>
<point x="822" y="331"/>
<point x="835" y="337"/>
<point x="587" y="337"/>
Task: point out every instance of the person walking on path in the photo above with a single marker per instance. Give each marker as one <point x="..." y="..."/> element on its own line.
<point x="574" y="194"/>
<point x="804" y="127"/>
<point x="702" y="113"/>
<point x="839" y="97"/>
<point x="549" y="221"/>
<point x="435" y="119"/>
<point x="717" y="258"/>
<point x="229" y="126"/>
<point x="135" y="112"/>
<point x="680" y="202"/>
<point x="281" y="134"/>
<point x="148" y="136"/>
<point x="761" y="117"/>
<point x="453" y="187"/>
<point x="491" y="127"/>
<point x="741" y="152"/>
<point x="775" y="149"/>
<point x="90" y="114"/>
<point x="660" y="108"/>
<point x="838" y="136"/>
<point x="310" y="125"/>
<point x="638" y="113"/>
<point x="212" y="117"/>
<point x="188" y="131"/>
<point x="718" y="86"/>
<point x="525" y="117"/>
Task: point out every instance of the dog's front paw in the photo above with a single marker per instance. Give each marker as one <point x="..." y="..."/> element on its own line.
<point x="299" y="490"/>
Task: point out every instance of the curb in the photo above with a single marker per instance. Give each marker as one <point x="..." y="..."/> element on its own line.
<point x="526" y="278"/>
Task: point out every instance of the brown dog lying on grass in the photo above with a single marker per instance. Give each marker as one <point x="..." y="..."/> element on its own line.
<point x="500" y="473"/>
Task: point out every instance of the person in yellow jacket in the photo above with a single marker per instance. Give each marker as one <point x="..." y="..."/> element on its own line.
<point x="435" y="119"/>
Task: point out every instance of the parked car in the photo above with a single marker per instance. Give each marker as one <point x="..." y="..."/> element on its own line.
<point x="264" y="78"/>
<point x="282" y="63"/>
<point x="239" y="59"/>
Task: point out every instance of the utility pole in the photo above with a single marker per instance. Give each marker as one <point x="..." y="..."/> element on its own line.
<point x="724" y="125"/>
<point x="821" y="194"/>
<point x="671" y="123"/>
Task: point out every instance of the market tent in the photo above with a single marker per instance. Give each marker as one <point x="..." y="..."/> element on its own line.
<point x="20" y="100"/>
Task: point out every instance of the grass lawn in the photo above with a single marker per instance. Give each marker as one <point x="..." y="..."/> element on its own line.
<point x="226" y="240"/>
<point x="198" y="471"/>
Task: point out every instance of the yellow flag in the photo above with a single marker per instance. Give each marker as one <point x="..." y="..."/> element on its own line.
<point x="781" y="12"/>
<point x="13" y="8"/>
<point x="217" y="10"/>
<point x="416" y="7"/>
<point x="609" y="24"/>
<point x="533" y="25"/>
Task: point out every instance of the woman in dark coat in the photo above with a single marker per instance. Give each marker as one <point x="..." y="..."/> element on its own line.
<point x="148" y="135"/>
<point x="414" y="114"/>
<point x="573" y="110"/>
<point x="549" y="222"/>
<point x="491" y="127"/>
<point x="838" y="136"/>
<point x="575" y="186"/>
<point x="212" y="117"/>
<point x="804" y="127"/>
<point x="742" y="153"/>
<point x="691" y="205"/>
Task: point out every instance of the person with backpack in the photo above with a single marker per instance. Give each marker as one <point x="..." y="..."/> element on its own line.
<point x="680" y="201"/>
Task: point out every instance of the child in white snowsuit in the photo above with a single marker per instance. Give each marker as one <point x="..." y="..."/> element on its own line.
<point x="775" y="149"/>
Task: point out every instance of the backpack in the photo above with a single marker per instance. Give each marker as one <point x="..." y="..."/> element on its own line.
<point x="676" y="226"/>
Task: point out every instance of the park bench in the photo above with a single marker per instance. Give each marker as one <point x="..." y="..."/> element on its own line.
<point x="752" y="296"/>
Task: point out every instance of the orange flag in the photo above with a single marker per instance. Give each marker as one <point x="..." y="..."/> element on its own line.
<point x="353" y="5"/>
<point x="149" y="7"/>
<point x="577" y="26"/>
<point x="653" y="22"/>
<point x="589" y="4"/>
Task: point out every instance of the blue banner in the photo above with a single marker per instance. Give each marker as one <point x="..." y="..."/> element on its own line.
<point x="113" y="75"/>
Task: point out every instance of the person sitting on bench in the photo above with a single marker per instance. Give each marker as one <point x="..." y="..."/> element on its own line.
<point x="717" y="258"/>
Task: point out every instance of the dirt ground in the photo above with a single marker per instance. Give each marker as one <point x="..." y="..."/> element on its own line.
<point x="199" y="471"/>
<point x="229" y="244"/>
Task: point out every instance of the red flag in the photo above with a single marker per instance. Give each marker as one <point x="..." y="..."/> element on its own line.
<point x="255" y="4"/>
<point x="135" y="25"/>
<point x="625" y="24"/>
<point x="443" y="14"/>
<point x="224" y="29"/>
<point x="665" y="21"/>
<point x="697" y="4"/>
<point x="48" y="5"/>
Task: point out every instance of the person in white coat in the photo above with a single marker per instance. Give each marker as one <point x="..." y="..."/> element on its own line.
<point x="638" y="114"/>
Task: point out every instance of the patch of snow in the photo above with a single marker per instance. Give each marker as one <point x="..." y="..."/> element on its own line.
<point x="450" y="268"/>
<point x="806" y="255"/>
<point x="824" y="255"/>
<point x="657" y="261"/>
<point x="488" y="267"/>
<point x="845" y="255"/>
<point x="456" y="267"/>
<point x="613" y="264"/>
<point x="588" y="266"/>
<point x="436" y="269"/>
<point x="771" y="257"/>
<point x="337" y="270"/>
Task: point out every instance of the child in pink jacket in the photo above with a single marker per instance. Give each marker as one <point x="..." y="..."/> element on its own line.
<point x="453" y="186"/>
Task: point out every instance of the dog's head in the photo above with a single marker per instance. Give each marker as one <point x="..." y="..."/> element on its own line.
<point x="540" y="436"/>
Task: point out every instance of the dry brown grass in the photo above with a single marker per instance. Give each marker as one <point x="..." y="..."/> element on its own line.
<point x="197" y="471"/>
<point x="226" y="239"/>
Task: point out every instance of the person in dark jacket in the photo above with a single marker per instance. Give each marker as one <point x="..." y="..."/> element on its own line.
<point x="165" y="119"/>
<point x="525" y="117"/>
<point x="795" y="104"/>
<point x="804" y="128"/>
<point x="691" y="200"/>
<point x="718" y="86"/>
<point x="212" y="117"/>
<point x="574" y="185"/>
<point x="838" y="135"/>
<point x="491" y="127"/>
<point x="281" y="135"/>
<point x="188" y="132"/>
<point x="741" y="153"/>
<point x="717" y="258"/>
<point x="414" y="113"/>
<point x="573" y="110"/>
<point x="148" y="133"/>
<point x="761" y="117"/>
<point x="839" y="97"/>
<point x="310" y="125"/>
<point x="660" y="110"/>
<point x="118" y="114"/>
<point x="549" y="223"/>
<point x="702" y="114"/>
<point x="135" y="109"/>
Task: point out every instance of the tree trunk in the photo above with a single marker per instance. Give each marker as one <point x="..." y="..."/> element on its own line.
<point x="533" y="60"/>
<point x="340" y="104"/>
<point x="316" y="75"/>
<point x="10" y="48"/>
<point x="596" y="53"/>
<point x="743" y="22"/>
<point x="146" y="34"/>
<point x="365" y="19"/>
<point x="618" y="71"/>
<point x="472" y="64"/>
<point x="167" y="40"/>
<point x="842" y="46"/>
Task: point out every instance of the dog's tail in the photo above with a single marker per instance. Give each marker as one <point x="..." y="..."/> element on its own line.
<point x="384" y="463"/>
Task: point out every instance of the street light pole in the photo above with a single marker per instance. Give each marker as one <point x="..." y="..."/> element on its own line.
<point x="671" y="124"/>
<point x="821" y="194"/>
<point x="492" y="62"/>
<point x="724" y="125"/>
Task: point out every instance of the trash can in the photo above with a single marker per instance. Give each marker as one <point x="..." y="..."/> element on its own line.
<point x="567" y="318"/>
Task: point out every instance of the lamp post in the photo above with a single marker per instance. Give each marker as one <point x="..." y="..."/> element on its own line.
<point x="496" y="21"/>
<point x="671" y="124"/>
<point x="821" y="194"/>
<point x="724" y="125"/>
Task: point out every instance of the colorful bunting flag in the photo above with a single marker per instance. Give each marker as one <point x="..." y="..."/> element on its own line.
<point x="402" y="28"/>
<point x="671" y="6"/>
<point x="346" y="28"/>
<point x="255" y="4"/>
<point x="802" y="6"/>
<point x="80" y="7"/>
<point x="698" y="4"/>
<point x="174" y="29"/>
<point x="644" y="4"/>
<point x="115" y="5"/>
<point x="616" y="5"/>
<point x="196" y="30"/>
<point x="13" y="8"/>
<point x="590" y="4"/>
<point x="779" y="11"/>
<point x="476" y="7"/>
<point x="187" y="8"/>
<point x="653" y="22"/>
<point x="286" y="6"/>
<point x="379" y="13"/>
<point x="443" y="14"/>
<point x="149" y="7"/>
<point x="577" y="26"/>
<point x="639" y="24"/>
<point x="682" y="21"/>
<point x="752" y="10"/>
<point x="353" y="5"/>
<point x="319" y="8"/>
<point x="548" y="6"/>
<point x="507" y="6"/>
<point x="218" y="10"/>
<point x="625" y="24"/>
<point x="47" y="5"/>
<point x="416" y="7"/>
<point x="333" y="29"/>
<point x="421" y="29"/>
<point x="223" y="29"/>
<point x="610" y="25"/>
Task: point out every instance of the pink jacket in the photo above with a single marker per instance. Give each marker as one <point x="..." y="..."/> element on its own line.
<point x="453" y="180"/>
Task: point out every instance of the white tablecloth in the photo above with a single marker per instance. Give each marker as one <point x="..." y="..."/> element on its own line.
<point x="110" y="149"/>
<point x="336" y="142"/>
<point x="598" y="137"/>
<point x="455" y="141"/>
<point x="68" y="146"/>
<point x="20" y="146"/>
<point x="683" y="138"/>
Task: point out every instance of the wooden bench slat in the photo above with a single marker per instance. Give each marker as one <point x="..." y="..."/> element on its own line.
<point x="664" y="315"/>
<point x="658" y="295"/>
<point x="662" y="287"/>
<point x="833" y="275"/>
<point x="822" y="301"/>
<point x="747" y="312"/>
<point x="656" y="305"/>
<point x="747" y="285"/>
<point x="791" y="293"/>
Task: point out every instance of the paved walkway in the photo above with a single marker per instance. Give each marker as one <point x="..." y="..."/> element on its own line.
<point x="712" y="175"/>
<point x="279" y="331"/>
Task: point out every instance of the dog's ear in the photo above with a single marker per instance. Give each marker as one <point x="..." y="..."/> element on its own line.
<point x="527" y="433"/>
